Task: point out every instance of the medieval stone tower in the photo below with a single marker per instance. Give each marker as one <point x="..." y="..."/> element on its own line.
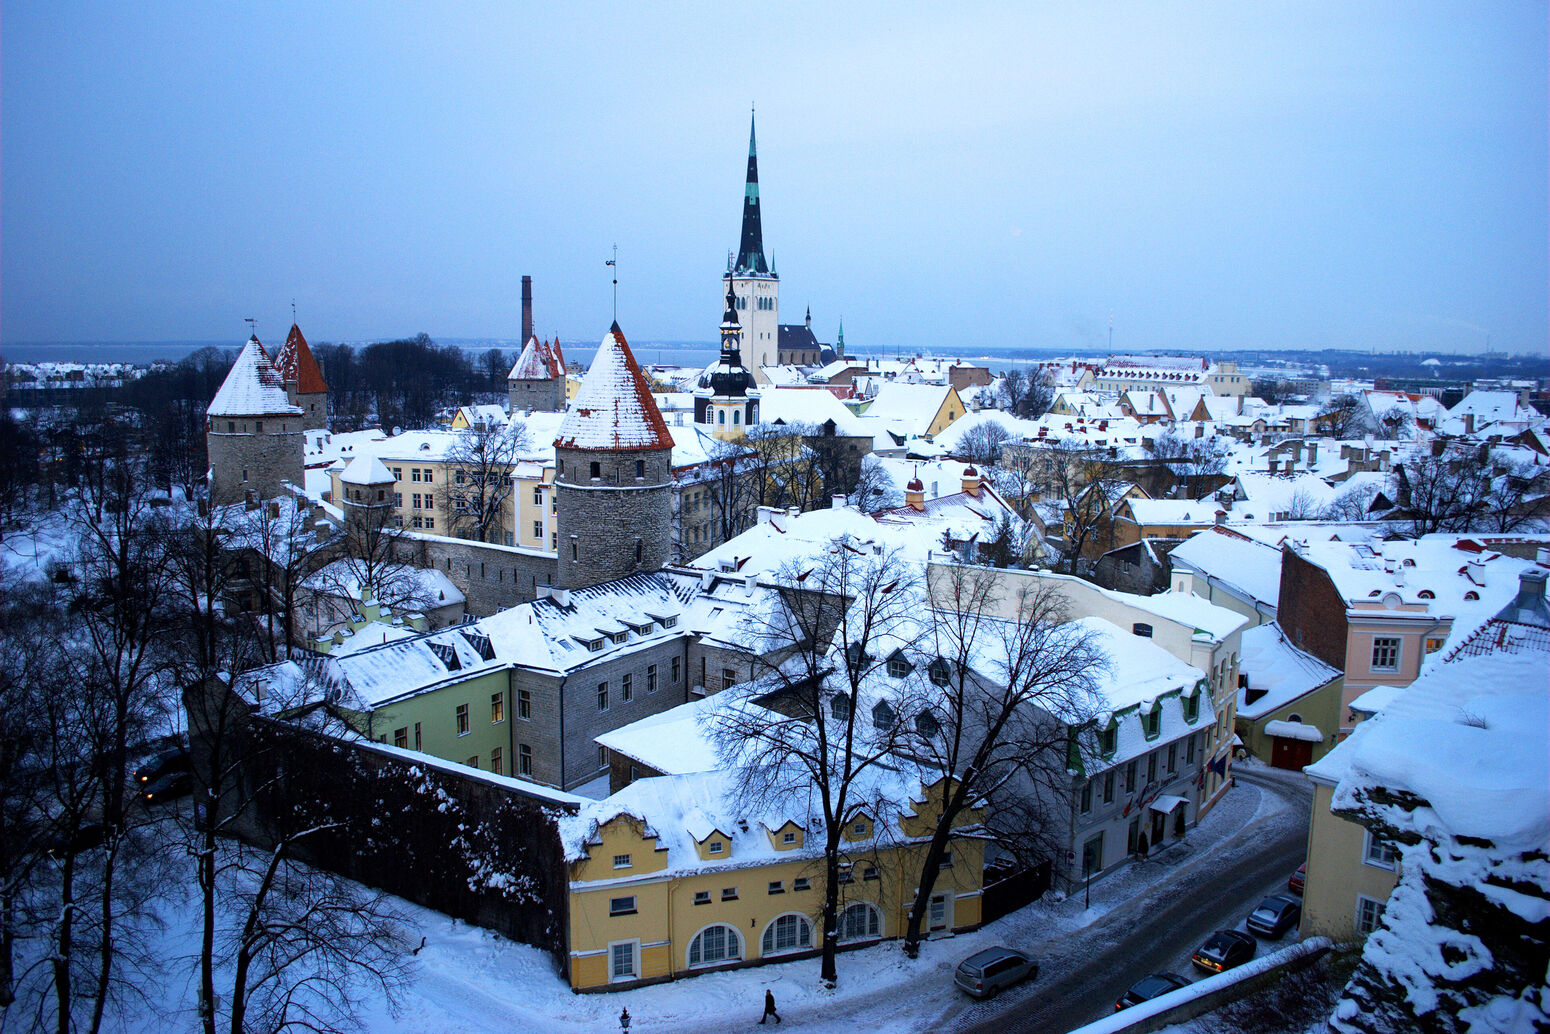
<point x="303" y="379"/>
<point x="753" y="282"/>
<point x="613" y="474"/>
<point x="253" y="433"/>
<point x="536" y="382"/>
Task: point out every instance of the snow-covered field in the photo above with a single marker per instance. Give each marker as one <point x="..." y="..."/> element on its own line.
<point x="467" y="980"/>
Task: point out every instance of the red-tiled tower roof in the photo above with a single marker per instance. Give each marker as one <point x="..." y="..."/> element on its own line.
<point x="614" y="409"/>
<point x="295" y="363"/>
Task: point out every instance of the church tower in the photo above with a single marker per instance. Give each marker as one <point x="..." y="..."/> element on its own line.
<point x="613" y="474"/>
<point x="753" y="281"/>
<point x="724" y="402"/>
<point x="253" y="433"/>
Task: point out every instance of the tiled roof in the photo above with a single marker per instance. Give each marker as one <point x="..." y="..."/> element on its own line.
<point x="613" y="408"/>
<point x="295" y="363"/>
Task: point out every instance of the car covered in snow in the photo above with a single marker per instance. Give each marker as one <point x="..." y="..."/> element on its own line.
<point x="1147" y="988"/>
<point x="1275" y="915"/>
<point x="1224" y="950"/>
<point x="988" y="972"/>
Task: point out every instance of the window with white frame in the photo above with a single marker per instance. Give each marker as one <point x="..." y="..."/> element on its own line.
<point x="621" y="861"/>
<point x="1380" y="853"/>
<point x="789" y="932"/>
<point x="624" y="906"/>
<point x="1385" y="653"/>
<point x="1369" y="913"/>
<point x="860" y="921"/>
<point x="702" y="897"/>
<point x="714" y="944"/>
<point x="621" y="960"/>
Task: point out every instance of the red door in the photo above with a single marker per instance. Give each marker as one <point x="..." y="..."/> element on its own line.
<point x="1287" y="753"/>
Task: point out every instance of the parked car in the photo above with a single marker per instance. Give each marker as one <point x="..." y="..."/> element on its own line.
<point x="82" y="838"/>
<point x="166" y="786"/>
<point x="158" y="765"/>
<point x="1147" y="988"/>
<point x="1275" y="915"/>
<point x="988" y="972"/>
<point x="1296" y="881"/>
<point x="1223" y="950"/>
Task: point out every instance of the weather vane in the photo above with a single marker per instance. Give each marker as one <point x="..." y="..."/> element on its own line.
<point x="252" y="326"/>
<point x="614" y="262"/>
<point x="293" y="311"/>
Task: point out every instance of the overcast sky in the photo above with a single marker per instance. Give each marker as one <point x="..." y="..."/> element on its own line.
<point x="1214" y="175"/>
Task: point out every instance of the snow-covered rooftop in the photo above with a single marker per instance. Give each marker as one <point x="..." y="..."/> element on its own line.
<point x="252" y="387"/>
<point x="1277" y="668"/>
<point x="613" y="409"/>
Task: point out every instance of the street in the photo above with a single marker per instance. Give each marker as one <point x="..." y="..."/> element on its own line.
<point x="1082" y="975"/>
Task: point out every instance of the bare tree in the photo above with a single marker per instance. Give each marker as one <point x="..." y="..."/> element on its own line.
<point x="1084" y="482"/>
<point x="875" y="489"/>
<point x="732" y="477"/>
<point x="1025" y="393"/>
<point x="279" y="547"/>
<point x="1342" y="417"/>
<point x="482" y="461"/>
<point x="1351" y="505"/>
<point x="1193" y="461"/>
<point x="1518" y="495"/>
<point x="1445" y="488"/>
<point x="792" y="472"/>
<point x="1002" y="687"/>
<point x="982" y="443"/>
<point x="829" y="635"/>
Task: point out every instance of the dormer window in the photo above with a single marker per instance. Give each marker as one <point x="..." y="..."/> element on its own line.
<point x="716" y="847"/>
<point x="1151" y="724"/>
<point x="940" y="672"/>
<point x="839" y="707"/>
<point x="788" y="837"/>
<point x="927" y="725"/>
<point x="1192" y="708"/>
<point x="882" y="716"/>
<point x="898" y="667"/>
<point x="1108" y="740"/>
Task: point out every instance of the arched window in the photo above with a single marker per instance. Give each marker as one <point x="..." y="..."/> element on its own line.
<point x="790" y="932"/>
<point x="737" y="417"/>
<point x="1294" y="717"/>
<point x="721" y="416"/>
<point x="861" y="921"/>
<point x="715" y="944"/>
<point x="1471" y="595"/>
<point x="882" y="716"/>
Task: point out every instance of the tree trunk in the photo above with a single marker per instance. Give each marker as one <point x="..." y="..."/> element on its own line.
<point x="930" y="868"/>
<point x="828" y="970"/>
<point x="207" y="931"/>
<point x="64" y="945"/>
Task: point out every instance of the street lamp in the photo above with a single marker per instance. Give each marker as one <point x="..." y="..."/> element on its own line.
<point x="1087" y="883"/>
<point x="624" y="1018"/>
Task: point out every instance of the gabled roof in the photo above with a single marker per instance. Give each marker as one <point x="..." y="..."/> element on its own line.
<point x="252" y="388"/>
<point x="614" y="409"/>
<point x="295" y="363"/>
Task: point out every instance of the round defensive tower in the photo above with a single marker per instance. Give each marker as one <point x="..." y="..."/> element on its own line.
<point x="254" y="436"/>
<point x="613" y="474"/>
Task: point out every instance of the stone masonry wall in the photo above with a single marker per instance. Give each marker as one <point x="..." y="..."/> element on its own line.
<point x="617" y="523"/>
<point x="268" y="457"/>
<point x="491" y="577"/>
<point x="545" y="396"/>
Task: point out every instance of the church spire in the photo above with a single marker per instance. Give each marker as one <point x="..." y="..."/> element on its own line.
<point x="750" y="258"/>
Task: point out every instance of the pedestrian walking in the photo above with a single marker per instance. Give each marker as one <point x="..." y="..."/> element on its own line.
<point x="769" y="1006"/>
<point x="1142" y="846"/>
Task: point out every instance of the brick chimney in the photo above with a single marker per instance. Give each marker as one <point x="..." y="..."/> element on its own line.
<point x="527" y="309"/>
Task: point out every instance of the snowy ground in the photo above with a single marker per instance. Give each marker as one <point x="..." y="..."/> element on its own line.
<point x="471" y="981"/>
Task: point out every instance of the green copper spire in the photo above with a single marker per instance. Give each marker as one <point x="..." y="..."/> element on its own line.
<point x="750" y="258"/>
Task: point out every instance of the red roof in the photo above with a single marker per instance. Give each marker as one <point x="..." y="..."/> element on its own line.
<point x="295" y="363"/>
<point x="613" y="409"/>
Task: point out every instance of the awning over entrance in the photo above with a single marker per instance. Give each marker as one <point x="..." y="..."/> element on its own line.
<point x="1167" y="802"/>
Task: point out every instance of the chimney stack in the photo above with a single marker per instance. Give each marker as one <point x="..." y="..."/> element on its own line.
<point x="527" y="309"/>
<point x="915" y="495"/>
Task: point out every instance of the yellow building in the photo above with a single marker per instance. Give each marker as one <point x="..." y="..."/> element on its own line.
<point x="674" y="875"/>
